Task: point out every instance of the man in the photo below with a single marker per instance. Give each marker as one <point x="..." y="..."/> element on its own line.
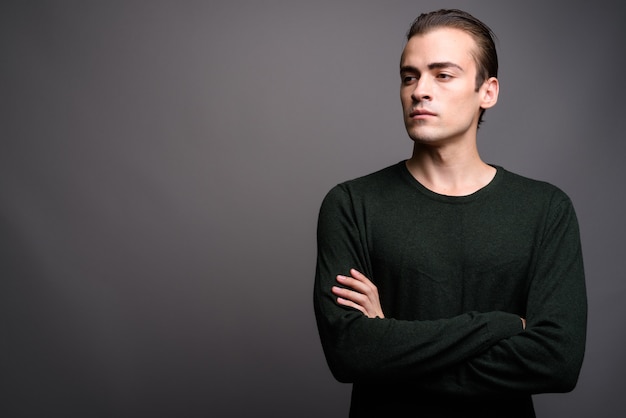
<point x="446" y="286"/>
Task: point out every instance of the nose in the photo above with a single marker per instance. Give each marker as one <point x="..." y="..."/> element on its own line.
<point x="422" y="90"/>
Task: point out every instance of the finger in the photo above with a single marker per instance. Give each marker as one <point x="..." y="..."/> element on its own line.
<point x="355" y="297"/>
<point x="358" y="282"/>
<point x="361" y="277"/>
<point x="357" y="301"/>
<point x="358" y="275"/>
<point x="350" y="304"/>
<point x="353" y="284"/>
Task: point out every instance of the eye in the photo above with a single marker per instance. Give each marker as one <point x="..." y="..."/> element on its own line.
<point x="408" y="79"/>
<point x="444" y="76"/>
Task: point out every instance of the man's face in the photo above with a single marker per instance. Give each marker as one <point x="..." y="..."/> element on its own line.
<point x="438" y="91"/>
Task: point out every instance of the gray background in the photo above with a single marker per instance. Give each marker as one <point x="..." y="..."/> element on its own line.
<point x="162" y="165"/>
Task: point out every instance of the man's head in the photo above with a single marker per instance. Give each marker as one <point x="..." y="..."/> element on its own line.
<point x="485" y="53"/>
<point x="483" y="50"/>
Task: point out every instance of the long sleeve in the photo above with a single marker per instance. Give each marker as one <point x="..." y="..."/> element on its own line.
<point x="548" y="355"/>
<point x="361" y="349"/>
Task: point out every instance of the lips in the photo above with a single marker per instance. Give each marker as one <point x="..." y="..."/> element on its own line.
<point x="421" y="112"/>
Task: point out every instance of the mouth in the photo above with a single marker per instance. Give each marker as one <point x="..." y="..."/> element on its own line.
<point x="421" y="113"/>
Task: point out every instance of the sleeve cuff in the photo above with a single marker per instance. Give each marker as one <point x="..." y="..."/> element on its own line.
<point x="504" y="325"/>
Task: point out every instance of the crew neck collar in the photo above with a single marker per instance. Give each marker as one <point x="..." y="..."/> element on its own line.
<point x="447" y="198"/>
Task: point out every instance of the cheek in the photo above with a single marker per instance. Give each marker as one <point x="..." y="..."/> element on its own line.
<point x="467" y="103"/>
<point x="406" y="100"/>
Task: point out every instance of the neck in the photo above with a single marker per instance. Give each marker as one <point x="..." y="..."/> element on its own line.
<point x="452" y="171"/>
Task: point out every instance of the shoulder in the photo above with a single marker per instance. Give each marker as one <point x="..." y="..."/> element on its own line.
<point x="532" y="192"/>
<point x="385" y="177"/>
<point x="367" y="191"/>
<point x="370" y="184"/>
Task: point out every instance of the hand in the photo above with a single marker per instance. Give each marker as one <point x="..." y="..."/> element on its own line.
<point x="523" y="323"/>
<point x="359" y="293"/>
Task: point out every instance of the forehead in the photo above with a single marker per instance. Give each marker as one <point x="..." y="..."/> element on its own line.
<point x="440" y="45"/>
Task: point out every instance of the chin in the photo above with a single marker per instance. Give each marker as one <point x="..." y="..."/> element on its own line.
<point x="423" y="135"/>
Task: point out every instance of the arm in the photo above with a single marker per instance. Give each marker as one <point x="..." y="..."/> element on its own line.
<point x="545" y="358"/>
<point x="361" y="294"/>
<point x="361" y="349"/>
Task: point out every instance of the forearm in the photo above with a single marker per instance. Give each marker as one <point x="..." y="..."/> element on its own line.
<point x="461" y="355"/>
<point x="522" y="364"/>
<point x="358" y="348"/>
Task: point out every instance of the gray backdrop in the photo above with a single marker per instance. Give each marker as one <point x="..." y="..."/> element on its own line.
<point x="162" y="165"/>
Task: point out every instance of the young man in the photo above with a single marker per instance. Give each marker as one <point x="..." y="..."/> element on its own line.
<point x="446" y="286"/>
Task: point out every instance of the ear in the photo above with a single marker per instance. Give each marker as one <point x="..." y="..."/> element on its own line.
<point x="489" y="93"/>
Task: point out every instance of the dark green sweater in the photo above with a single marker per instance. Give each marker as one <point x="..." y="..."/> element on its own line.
<point x="454" y="274"/>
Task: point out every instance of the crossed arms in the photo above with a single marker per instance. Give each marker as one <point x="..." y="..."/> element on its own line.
<point x="473" y="353"/>
<point x="358" y="292"/>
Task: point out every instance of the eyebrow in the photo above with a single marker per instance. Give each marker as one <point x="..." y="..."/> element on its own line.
<point x="431" y="66"/>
